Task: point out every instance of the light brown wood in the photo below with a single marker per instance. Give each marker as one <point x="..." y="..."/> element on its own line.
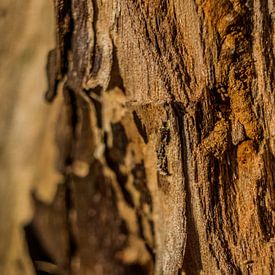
<point x="165" y="139"/>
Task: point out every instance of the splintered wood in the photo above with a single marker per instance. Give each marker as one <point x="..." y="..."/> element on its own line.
<point x="166" y="136"/>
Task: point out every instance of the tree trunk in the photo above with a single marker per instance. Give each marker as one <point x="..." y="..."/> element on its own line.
<point x="26" y="143"/>
<point x="166" y="139"/>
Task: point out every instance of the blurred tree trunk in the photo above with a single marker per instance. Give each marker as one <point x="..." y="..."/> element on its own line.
<point x="26" y="142"/>
<point x="166" y="139"/>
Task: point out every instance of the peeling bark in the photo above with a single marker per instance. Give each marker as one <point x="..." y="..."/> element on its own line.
<point x="166" y="137"/>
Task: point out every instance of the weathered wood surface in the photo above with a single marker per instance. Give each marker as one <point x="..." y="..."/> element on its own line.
<point x="166" y="138"/>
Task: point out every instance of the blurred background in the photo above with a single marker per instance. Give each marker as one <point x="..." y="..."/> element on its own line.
<point x="26" y="124"/>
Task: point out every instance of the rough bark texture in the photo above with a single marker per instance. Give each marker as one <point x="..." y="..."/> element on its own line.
<point x="166" y="139"/>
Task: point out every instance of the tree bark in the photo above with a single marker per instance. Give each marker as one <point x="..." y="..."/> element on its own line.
<point x="166" y="139"/>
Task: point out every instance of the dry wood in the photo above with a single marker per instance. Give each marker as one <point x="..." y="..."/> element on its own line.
<point x="166" y="138"/>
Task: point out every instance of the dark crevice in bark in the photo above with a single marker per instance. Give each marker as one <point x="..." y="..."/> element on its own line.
<point x="191" y="259"/>
<point x="97" y="60"/>
<point x="141" y="127"/>
<point x="57" y="65"/>
<point x="120" y="143"/>
<point x="213" y="177"/>
<point x="52" y="76"/>
<point x="97" y="52"/>
<point x="36" y="250"/>
<point x="265" y="186"/>
<point x="140" y="183"/>
<point x="70" y="99"/>
<point x="162" y="159"/>
<point x="116" y="79"/>
<point x="142" y="236"/>
<point x="98" y="109"/>
<point x="112" y="159"/>
<point x="96" y="102"/>
<point x="199" y="120"/>
<point x="267" y="41"/>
